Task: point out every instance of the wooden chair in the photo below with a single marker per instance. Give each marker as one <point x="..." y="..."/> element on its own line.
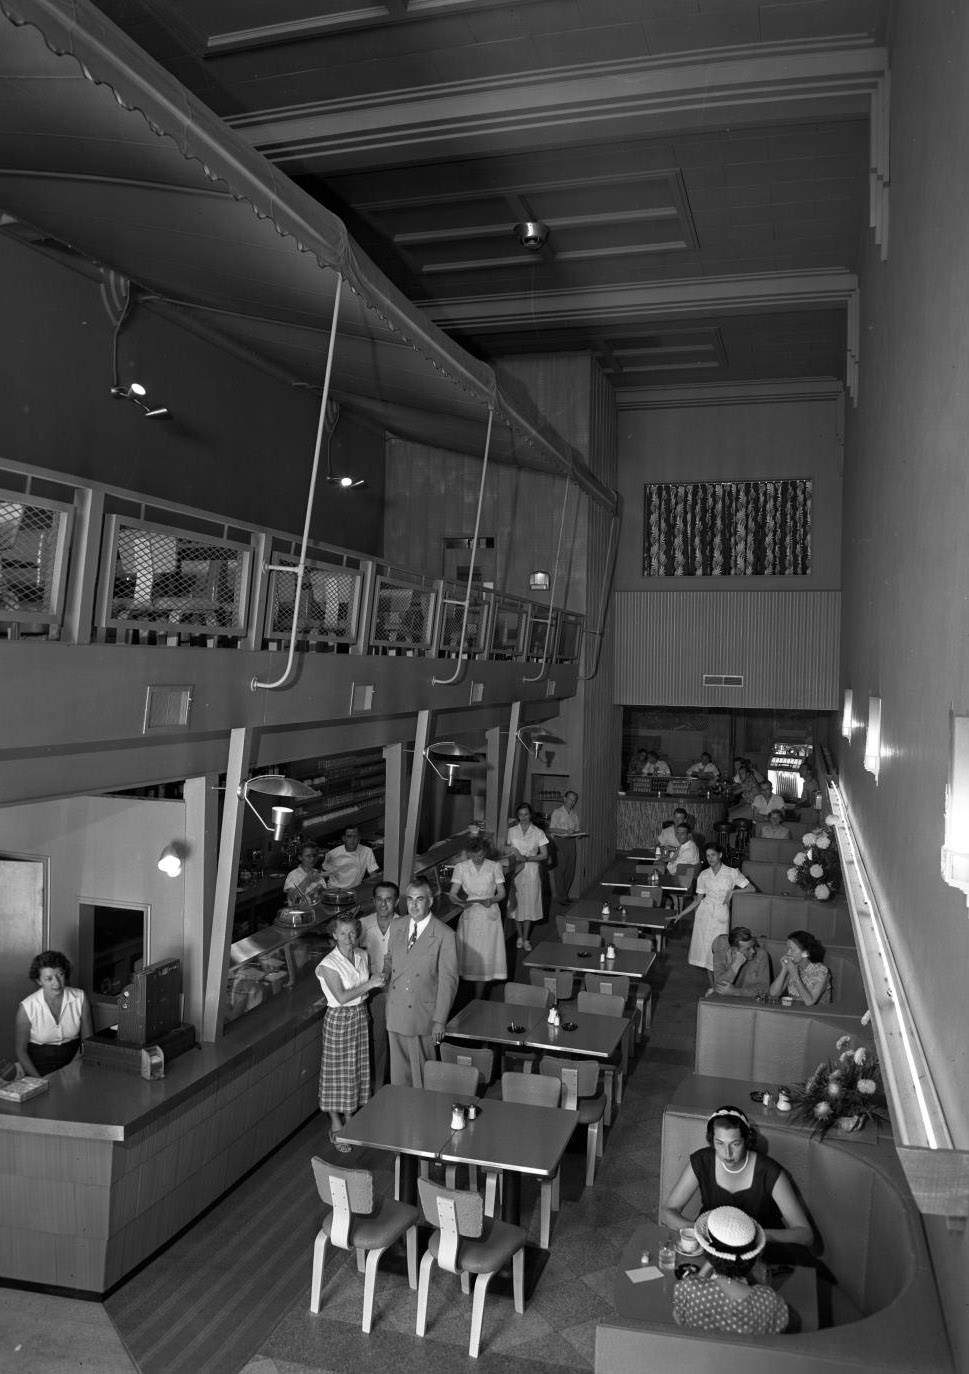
<point x="557" y="982"/>
<point x="588" y="939"/>
<point x="580" y="1090"/>
<point x="358" y="1220"/>
<point x="481" y="1059"/>
<point x="638" y="996"/>
<point x="570" y="923"/>
<point x="461" y="1079"/>
<point x="465" y="1242"/>
<point x="536" y="1091"/>
<point x="525" y="995"/>
<point x="610" y="1004"/>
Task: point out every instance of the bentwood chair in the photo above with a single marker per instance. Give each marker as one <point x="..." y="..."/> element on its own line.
<point x="481" y="1059"/>
<point x="534" y="1090"/>
<point x="461" y="1079"/>
<point x="570" y="924"/>
<point x="467" y="1242"/>
<point x="358" y="1220"/>
<point x="525" y="995"/>
<point x="580" y="1090"/>
<point x="557" y="982"/>
<point x="638" y="997"/>
<point x="610" y="1004"/>
<point x="591" y="939"/>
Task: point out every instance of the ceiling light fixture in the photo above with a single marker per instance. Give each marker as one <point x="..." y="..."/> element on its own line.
<point x="171" y="858"/>
<point x="539" y="581"/>
<point x="276" y="785"/>
<point x="533" y="738"/>
<point x="330" y="421"/>
<point x="452" y="755"/>
<point x="532" y="234"/>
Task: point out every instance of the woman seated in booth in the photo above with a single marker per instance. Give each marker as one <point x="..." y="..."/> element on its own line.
<point x="802" y="974"/>
<point x="722" y="1296"/>
<point x="730" y="1172"/>
<point x="51" y="1023"/>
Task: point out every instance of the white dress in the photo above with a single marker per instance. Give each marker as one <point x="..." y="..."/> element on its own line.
<point x="527" y="905"/>
<point x="712" y="916"/>
<point x="480" y="934"/>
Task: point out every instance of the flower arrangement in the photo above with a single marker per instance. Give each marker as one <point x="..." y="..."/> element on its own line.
<point x="844" y="1092"/>
<point x="816" y="868"/>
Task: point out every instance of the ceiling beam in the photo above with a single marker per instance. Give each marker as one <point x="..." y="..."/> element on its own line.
<point x="644" y="97"/>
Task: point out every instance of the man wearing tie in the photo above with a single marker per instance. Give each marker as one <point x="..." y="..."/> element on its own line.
<point x="422" y="978"/>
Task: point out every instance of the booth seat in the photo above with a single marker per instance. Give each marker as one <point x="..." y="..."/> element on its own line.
<point x="847" y="986"/>
<point x="881" y="1315"/>
<point x="771" y="1045"/>
<point x="773" y="851"/>
<point x="775" y="917"/>
<point x="770" y="877"/>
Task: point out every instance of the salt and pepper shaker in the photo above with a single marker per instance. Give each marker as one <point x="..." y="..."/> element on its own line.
<point x="602" y="958"/>
<point x="783" y="1100"/>
<point x="457" y="1117"/>
<point x="610" y="951"/>
<point x="605" y="909"/>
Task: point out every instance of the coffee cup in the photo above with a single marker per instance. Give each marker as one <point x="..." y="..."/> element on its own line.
<point x="689" y="1244"/>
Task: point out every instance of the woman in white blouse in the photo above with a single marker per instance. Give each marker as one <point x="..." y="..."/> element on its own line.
<point x="345" y="978"/>
<point x="51" y="1023"/>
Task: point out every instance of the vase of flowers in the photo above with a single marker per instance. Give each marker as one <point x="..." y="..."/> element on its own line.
<point x="815" y="869"/>
<point x="844" y="1092"/>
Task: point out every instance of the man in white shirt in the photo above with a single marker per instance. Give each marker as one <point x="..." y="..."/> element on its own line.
<point x="686" y="851"/>
<point x="667" y="836"/>
<point x="763" y="803"/>
<point x="655" y="767"/>
<point x="375" y="939"/>
<point x="704" y="768"/>
<point x="562" y="826"/>
<point x="351" y="862"/>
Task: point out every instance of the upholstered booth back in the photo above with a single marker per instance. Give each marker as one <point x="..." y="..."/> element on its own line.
<point x="769" y="877"/>
<point x="769" y="1045"/>
<point x="775" y="917"/>
<point x="847" y="988"/>
<point x="773" y="851"/>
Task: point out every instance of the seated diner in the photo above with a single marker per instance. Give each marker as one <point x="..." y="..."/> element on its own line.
<point x="722" y="1297"/>
<point x="729" y="1171"/>
<point x="740" y="967"/>
<point x="802" y="975"/>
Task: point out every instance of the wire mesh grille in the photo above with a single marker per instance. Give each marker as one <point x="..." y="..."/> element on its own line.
<point x="570" y="638"/>
<point x="28" y="558"/>
<point x="537" y="631"/>
<point x="451" y="621"/>
<point x="163" y="577"/>
<point x="403" y="615"/>
<point x="506" y="642"/>
<point x="328" y="603"/>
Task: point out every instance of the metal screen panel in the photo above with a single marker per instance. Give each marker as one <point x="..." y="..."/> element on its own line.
<point x="506" y="642"/>
<point x="452" y="616"/>
<point x="403" y="615"/>
<point x="538" y="619"/>
<point x="569" y="639"/>
<point x="33" y="545"/>
<point x="329" y="602"/>
<point x="159" y="577"/>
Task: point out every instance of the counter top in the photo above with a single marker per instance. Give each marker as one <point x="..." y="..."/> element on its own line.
<point x="106" y="1104"/>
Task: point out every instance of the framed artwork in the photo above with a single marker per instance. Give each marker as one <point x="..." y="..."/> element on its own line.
<point x="727" y="529"/>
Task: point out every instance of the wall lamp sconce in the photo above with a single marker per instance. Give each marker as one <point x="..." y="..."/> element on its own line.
<point x="955" y="850"/>
<point x="539" y="581"/>
<point x="345" y="483"/>
<point x="533" y="739"/>
<point x="172" y="858"/>
<point x="451" y="755"/>
<point x="276" y="785"/>
<point x="138" y="396"/>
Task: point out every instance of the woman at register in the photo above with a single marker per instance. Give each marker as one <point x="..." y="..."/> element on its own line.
<point x="730" y="1173"/>
<point x="51" y="1023"/>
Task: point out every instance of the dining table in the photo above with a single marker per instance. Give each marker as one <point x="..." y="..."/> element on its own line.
<point x="624" y="912"/>
<point x="551" y="954"/>
<point x="503" y="1024"/>
<point x="643" y="1291"/>
<point x="412" y="1123"/>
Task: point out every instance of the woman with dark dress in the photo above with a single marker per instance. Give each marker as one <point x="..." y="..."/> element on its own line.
<point x="730" y="1173"/>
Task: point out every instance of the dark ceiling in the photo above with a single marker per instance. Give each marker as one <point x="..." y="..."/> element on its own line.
<point x="674" y="148"/>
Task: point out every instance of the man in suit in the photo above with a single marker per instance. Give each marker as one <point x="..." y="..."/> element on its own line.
<point x="422" y="978"/>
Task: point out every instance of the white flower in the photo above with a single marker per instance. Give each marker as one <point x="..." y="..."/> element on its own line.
<point x="809" y="840"/>
<point x="822" y="1109"/>
<point x="823" y="842"/>
<point x="861" y="1055"/>
<point x="866" y="1086"/>
<point x="792" y="875"/>
<point x="800" y="859"/>
<point x="822" y="892"/>
<point x="843" y="1042"/>
<point x="866" y="1019"/>
<point x="834" y="1089"/>
<point x="816" y="871"/>
<point x="831" y="820"/>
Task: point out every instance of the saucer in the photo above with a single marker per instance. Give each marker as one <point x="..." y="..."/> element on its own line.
<point x="690" y="1254"/>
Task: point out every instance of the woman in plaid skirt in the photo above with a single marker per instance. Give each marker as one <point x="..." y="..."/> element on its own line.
<point x="345" y="1066"/>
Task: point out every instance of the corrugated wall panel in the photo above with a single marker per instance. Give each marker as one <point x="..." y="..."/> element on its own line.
<point x="785" y="645"/>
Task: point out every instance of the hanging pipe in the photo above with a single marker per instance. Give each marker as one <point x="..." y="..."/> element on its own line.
<point x="447" y="681"/>
<point x="255" y="684"/>
<point x="611" y="554"/>
<point x="551" y="595"/>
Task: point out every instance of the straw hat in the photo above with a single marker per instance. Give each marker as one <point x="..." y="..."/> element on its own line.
<point x="730" y="1234"/>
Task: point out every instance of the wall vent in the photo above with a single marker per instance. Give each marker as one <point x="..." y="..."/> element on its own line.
<point x="166" y="708"/>
<point x="477" y="693"/>
<point x="722" y="680"/>
<point x="361" y="698"/>
<point x="550" y="687"/>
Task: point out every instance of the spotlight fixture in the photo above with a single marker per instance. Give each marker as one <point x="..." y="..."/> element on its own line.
<point x="170" y="860"/>
<point x="533" y="738"/>
<point x="276" y="785"/>
<point x="346" y="483"/>
<point x="539" y="581"/>
<point x="452" y="755"/>
<point x="532" y="234"/>
<point x="137" y="395"/>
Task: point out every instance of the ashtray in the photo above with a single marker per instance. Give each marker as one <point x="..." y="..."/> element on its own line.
<point x="583" y="953"/>
<point x="515" y="1028"/>
<point x="569" y="1025"/>
<point x="683" y="1271"/>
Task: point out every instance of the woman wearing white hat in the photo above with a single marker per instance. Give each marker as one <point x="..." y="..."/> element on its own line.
<point x="723" y="1298"/>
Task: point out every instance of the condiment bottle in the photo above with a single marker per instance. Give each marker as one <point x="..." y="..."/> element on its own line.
<point x="602" y="957"/>
<point x="605" y="909"/>
<point x="610" y="951"/>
